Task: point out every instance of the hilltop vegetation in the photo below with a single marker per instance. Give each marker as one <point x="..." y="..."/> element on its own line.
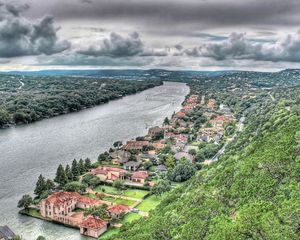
<point x="25" y="99"/>
<point x="252" y="192"/>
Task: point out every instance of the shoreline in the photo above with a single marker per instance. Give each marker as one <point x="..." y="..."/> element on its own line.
<point x="12" y="125"/>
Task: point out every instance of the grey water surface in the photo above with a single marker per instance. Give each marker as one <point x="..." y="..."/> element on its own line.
<point x="29" y="150"/>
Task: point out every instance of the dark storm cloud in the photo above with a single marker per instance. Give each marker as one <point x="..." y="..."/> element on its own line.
<point x="286" y="49"/>
<point x="21" y="37"/>
<point x="213" y="13"/>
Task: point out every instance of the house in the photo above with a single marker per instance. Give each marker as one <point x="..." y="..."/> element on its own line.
<point x="211" y="103"/>
<point x="118" y="211"/>
<point x="139" y="177"/>
<point x="210" y="134"/>
<point x="193" y="99"/>
<point x="219" y="121"/>
<point x="93" y="227"/>
<point x="178" y="156"/>
<point x="182" y="138"/>
<point x="158" y="145"/>
<point x="60" y="205"/>
<point x="6" y="233"/>
<point x="131" y="166"/>
<point x="180" y="115"/>
<point x="136" y="145"/>
<point x="119" y="156"/>
<point x="161" y="168"/>
<point x="109" y="173"/>
<point x="169" y="135"/>
<point x="155" y="132"/>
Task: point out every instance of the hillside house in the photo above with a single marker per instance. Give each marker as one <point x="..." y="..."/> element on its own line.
<point x="93" y="227"/>
<point x="118" y="211"/>
<point x="60" y="205"/>
<point x="131" y="166"/>
<point x="139" y="177"/>
<point x="109" y="173"/>
<point x="155" y="132"/>
<point x="136" y="145"/>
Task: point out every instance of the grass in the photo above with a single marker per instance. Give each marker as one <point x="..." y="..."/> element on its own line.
<point x="33" y="212"/>
<point x="149" y="203"/>
<point x="108" y="189"/>
<point x="110" y="232"/>
<point x="91" y="195"/>
<point x="109" y="199"/>
<point x="124" y="201"/>
<point x="130" y="217"/>
<point x="134" y="193"/>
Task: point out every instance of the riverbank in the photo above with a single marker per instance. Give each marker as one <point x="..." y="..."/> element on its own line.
<point x="41" y="146"/>
<point x="44" y="97"/>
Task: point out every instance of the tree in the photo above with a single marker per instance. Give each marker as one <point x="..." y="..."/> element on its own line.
<point x="162" y="187"/>
<point x="81" y="166"/>
<point x="25" y="202"/>
<point x="75" y="170"/>
<point x="182" y="171"/>
<point x="118" y="184"/>
<point x="75" y="187"/>
<point x="41" y="238"/>
<point x="50" y="185"/>
<point x="4" y="117"/>
<point x="166" y="121"/>
<point x="69" y="173"/>
<point x="41" y="186"/>
<point x="97" y="211"/>
<point x="103" y="157"/>
<point x="61" y="177"/>
<point x="91" y="180"/>
<point x="87" y="164"/>
<point x="193" y="152"/>
<point x="132" y="158"/>
<point x="170" y="162"/>
<point x="117" y="144"/>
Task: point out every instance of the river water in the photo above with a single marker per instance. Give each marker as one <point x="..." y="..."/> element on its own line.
<point x="38" y="148"/>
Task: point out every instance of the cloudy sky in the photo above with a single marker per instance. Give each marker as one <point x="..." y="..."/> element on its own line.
<point x="171" y="34"/>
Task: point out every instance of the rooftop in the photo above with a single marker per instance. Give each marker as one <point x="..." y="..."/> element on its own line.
<point x="94" y="223"/>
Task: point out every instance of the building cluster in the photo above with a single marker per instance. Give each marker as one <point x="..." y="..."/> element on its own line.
<point x="61" y="207"/>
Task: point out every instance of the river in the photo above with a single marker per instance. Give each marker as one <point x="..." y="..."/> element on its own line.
<point x="29" y="150"/>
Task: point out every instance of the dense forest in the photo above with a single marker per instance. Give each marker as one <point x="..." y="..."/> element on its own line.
<point x="252" y="192"/>
<point x="25" y="99"/>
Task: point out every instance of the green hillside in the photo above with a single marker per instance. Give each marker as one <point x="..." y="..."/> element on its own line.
<point x="253" y="192"/>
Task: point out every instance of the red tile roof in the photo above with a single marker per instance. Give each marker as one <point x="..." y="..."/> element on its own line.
<point x="89" y="201"/>
<point x="140" y="174"/>
<point x="118" y="209"/>
<point x="93" y="223"/>
<point x="61" y="197"/>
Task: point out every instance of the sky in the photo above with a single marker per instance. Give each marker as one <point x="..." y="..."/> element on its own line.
<point x="168" y="34"/>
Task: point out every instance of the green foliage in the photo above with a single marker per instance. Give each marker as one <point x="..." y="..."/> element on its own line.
<point x="61" y="178"/>
<point x="47" y="96"/>
<point x="252" y="192"/>
<point x="118" y="184"/>
<point x="4" y="117"/>
<point x="91" y="180"/>
<point x="95" y="211"/>
<point x="162" y="187"/>
<point x="75" y="187"/>
<point x="183" y="171"/>
<point x="25" y="202"/>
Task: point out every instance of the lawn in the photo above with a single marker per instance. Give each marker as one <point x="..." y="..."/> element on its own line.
<point x="130" y="217"/>
<point x="134" y="193"/>
<point x="34" y="213"/>
<point x="110" y="232"/>
<point x="124" y="201"/>
<point x="149" y="203"/>
<point x="107" y="189"/>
